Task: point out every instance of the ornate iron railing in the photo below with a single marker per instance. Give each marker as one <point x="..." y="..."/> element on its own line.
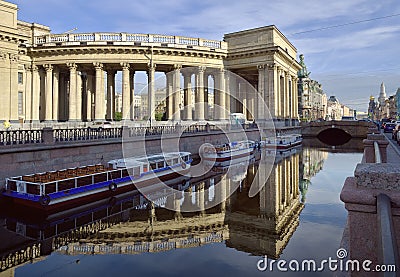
<point x="16" y="137"/>
<point x="59" y="135"/>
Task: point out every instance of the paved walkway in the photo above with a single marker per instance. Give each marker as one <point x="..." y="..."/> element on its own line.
<point x="393" y="150"/>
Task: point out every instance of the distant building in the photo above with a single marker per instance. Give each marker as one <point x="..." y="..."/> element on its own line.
<point x="372" y="108"/>
<point x="398" y="103"/>
<point x="118" y="102"/>
<point x="312" y="99"/>
<point x="335" y="110"/>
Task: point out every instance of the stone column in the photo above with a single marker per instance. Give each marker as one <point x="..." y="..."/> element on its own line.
<point x="187" y="80"/>
<point x="79" y="89"/>
<point x="219" y="94"/>
<point x="260" y="114"/>
<point x="151" y="91"/>
<point x="176" y="90"/>
<point x="126" y="91"/>
<point x="99" y="98"/>
<point x="56" y="93"/>
<point x="28" y="94"/>
<point x="199" y="94"/>
<point x="89" y="95"/>
<point x="110" y="95"/>
<point x="35" y="94"/>
<point x="296" y="99"/>
<point x="72" y="91"/>
<point x="14" y="60"/>
<point x="273" y="90"/>
<point x="48" y="114"/>
<point x="227" y="96"/>
<point x="206" y="110"/>
<point x="132" y="94"/>
<point x="169" y="96"/>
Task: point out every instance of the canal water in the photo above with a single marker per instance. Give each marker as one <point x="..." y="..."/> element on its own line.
<point x="297" y="215"/>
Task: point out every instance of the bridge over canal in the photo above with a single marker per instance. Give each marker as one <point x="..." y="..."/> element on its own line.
<point x="336" y="128"/>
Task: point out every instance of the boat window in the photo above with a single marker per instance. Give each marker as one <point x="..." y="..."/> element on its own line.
<point x="136" y="171"/>
<point x="153" y="166"/>
<point x="145" y="167"/>
<point x="175" y="161"/>
<point x="160" y="164"/>
<point x="169" y="162"/>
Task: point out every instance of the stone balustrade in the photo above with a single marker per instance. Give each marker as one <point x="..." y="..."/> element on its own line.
<point x="124" y="38"/>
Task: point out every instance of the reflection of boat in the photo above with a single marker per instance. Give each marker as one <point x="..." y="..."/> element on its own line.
<point x="40" y="226"/>
<point x="282" y="142"/>
<point x="221" y="155"/>
<point x="68" y="188"/>
<point x="284" y="153"/>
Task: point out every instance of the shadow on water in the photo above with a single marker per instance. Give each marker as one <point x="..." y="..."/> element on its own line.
<point x="334" y="137"/>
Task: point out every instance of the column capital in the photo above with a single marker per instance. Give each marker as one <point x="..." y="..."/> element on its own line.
<point x="48" y="67"/>
<point x="98" y="66"/>
<point x="72" y="66"/>
<point x="272" y="66"/>
<point x="33" y="67"/>
<point x="3" y="55"/>
<point x="261" y="67"/>
<point x="125" y="66"/>
<point x="151" y="66"/>
<point x="201" y="69"/>
<point x="14" y="58"/>
<point x="177" y="66"/>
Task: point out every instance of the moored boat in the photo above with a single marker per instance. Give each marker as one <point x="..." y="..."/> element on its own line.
<point x="64" y="189"/>
<point x="222" y="155"/>
<point x="282" y="141"/>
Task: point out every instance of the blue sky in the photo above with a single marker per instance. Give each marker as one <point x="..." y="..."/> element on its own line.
<point x="350" y="61"/>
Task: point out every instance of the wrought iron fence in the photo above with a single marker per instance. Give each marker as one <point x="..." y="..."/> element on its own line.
<point x="19" y="137"/>
<point x="16" y="137"/>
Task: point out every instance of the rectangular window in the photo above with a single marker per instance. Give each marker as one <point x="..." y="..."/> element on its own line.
<point x="20" y="103"/>
<point x="20" y="78"/>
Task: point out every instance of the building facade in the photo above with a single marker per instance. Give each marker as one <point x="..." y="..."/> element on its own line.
<point x="312" y="99"/>
<point x="49" y="77"/>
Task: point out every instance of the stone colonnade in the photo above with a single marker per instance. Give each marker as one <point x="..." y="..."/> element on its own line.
<point x="87" y="92"/>
<point x="278" y="87"/>
<point x="75" y="93"/>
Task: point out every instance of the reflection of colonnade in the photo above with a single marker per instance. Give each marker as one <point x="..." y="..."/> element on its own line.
<point x="274" y="212"/>
<point x="135" y="226"/>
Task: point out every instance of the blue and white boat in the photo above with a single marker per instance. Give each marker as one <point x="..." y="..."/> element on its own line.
<point x="64" y="189"/>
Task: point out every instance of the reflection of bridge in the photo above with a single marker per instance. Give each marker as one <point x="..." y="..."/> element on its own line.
<point x="261" y="225"/>
<point x="356" y="129"/>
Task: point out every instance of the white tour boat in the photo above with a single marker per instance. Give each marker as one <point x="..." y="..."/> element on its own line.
<point x="222" y="155"/>
<point x="57" y="190"/>
<point x="282" y="141"/>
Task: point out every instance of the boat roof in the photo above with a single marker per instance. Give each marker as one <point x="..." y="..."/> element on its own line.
<point x="160" y="157"/>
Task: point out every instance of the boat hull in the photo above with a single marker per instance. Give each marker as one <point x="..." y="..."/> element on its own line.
<point x="70" y="201"/>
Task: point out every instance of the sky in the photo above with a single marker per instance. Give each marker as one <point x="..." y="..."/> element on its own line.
<point x="350" y="61"/>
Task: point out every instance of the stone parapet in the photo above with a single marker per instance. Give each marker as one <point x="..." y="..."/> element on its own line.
<point x="364" y="234"/>
<point x="378" y="176"/>
<point x="369" y="151"/>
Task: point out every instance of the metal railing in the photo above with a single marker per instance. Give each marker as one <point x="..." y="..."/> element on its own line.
<point x="61" y="135"/>
<point x="378" y="158"/>
<point x="388" y="246"/>
<point x="83" y="134"/>
<point x="16" y="137"/>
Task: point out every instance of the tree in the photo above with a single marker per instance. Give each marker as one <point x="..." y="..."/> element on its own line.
<point x="118" y="116"/>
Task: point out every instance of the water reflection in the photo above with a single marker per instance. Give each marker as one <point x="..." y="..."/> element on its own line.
<point x="261" y="225"/>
